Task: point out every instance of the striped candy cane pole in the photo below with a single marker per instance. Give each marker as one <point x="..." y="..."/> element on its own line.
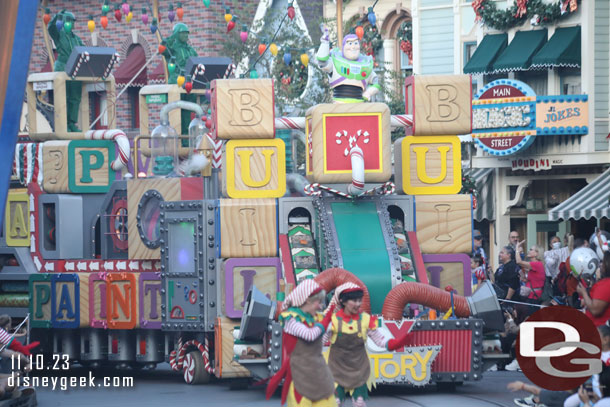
<point x="357" y="159"/>
<point x="289" y="123"/>
<point x="121" y="140"/>
<point x="401" y="120"/>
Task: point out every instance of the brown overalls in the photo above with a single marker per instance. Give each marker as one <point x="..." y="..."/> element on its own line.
<point x="310" y="373"/>
<point x="348" y="360"/>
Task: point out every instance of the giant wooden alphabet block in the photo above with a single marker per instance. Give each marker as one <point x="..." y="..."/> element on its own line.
<point x="450" y="269"/>
<point x="149" y="296"/>
<point x="40" y="300"/>
<point x="248" y="228"/>
<point x="242" y="274"/>
<point x="439" y="104"/>
<point x="83" y="295"/>
<point x="254" y="169"/>
<point x="16" y="220"/>
<point x="65" y="300"/>
<point x="444" y="223"/>
<point x="335" y="130"/>
<point x="97" y="301"/>
<point x="428" y="165"/>
<point x="78" y="166"/>
<point x="121" y="300"/>
<point x="225" y="366"/>
<point x="243" y="108"/>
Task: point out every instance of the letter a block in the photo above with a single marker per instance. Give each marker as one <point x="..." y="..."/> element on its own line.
<point x="65" y="299"/>
<point x="439" y="104"/>
<point x="243" y="109"/>
<point x="428" y="165"/>
<point x="444" y="223"/>
<point x="16" y="220"/>
<point x="254" y="169"/>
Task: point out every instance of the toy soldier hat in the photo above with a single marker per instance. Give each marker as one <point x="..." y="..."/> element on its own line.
<point x="181" y="28"/>
<point x="69" y="16"/>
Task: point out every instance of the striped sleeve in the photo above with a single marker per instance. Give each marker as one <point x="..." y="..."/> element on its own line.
<point x="377" y="337"/>
<point x="5" y="338"/>
<point x="300" y="330"/>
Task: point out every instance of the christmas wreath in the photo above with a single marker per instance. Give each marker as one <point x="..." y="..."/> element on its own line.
<point x="405" y="36"/>
<point x="292" y="77"/>
<point x="537" y="11"/>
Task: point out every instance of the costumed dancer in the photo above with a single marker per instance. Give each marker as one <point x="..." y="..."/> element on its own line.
<point x="307" y="378"/>
<point x="351" y="74"/>
<point x="348" y="359"/>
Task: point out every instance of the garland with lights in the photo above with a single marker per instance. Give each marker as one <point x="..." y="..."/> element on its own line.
<point x="469" y="186"/>
<point x="405" y="37"/>
<point x="537" y="11"/>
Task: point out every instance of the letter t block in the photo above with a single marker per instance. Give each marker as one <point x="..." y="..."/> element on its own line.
<point x="243" y="109"/>
<point x="439" y="104"/>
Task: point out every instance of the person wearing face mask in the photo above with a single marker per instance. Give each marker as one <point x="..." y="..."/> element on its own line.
<point x="557" y="255"/>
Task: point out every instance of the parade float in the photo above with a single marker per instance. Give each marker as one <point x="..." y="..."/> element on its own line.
<point x="187" y="261"/>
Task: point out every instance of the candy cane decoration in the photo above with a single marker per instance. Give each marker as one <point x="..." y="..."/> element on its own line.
<point x="178" y="364"/>
<point x="200" y="70"/>
<point x="121" y="141"/>
<point x="401" y="120"/>
<point x="357" y="159"/>
<point x="230" y="70"/>
<point x="314" y="190"/>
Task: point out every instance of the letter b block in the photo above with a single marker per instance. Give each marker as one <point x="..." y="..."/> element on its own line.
<point x="439" y="104"/>
<point x="254" y="169"/>
<point x="243" y="109"/>
<point x="428" y="165"/>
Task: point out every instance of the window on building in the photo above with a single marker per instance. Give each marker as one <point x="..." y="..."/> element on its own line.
<point x="98" y="105"/>
<point x="133" y="93"/>
<point x="537" y="80"/>
<point x="570" y="80"/>
<point x="469" y="49"/>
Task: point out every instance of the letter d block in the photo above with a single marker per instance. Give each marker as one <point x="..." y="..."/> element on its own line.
<point x="89" y="166"/>
<point x="40" y="300"/>
<point x="428" y="165"/>
<point x="439" y="104"/>
<point x="444" y="223"/>
<point x="16" y="221"/>
<point x="254" y="169"/>
<point x="243" y="109"/>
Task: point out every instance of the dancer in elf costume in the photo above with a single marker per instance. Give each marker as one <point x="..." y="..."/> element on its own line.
<point x="347" y="359"/>
<point x="307" y="378"/>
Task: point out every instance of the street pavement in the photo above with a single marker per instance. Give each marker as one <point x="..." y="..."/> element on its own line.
<point x="162" y="387"/>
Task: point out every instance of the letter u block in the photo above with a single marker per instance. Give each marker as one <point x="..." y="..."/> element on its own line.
<point x="428" y="165"/>
<point x="254" y="169"/>
<point x="243" y="109"/>
<point x="439" y="104"/>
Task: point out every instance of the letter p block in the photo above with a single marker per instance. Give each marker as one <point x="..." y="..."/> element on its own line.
<point x="439" y="104"/>
<point x="90" y="166"/>
<point x="243" y="109"/>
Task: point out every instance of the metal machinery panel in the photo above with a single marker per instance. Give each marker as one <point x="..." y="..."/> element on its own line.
<point x="57" y="238"/>
<point x="332" y="252"/>
<point x="188" y="266"/>
<point x="113" y="222"/>
<point x="460" y="358"/>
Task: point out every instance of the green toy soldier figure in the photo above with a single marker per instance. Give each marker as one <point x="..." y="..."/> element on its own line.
<point x="178" y="50"/>
<point x="65" y="41"/>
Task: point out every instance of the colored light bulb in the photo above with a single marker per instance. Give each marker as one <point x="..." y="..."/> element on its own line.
<point x="371" y="16"/>
<point x="104" y="22"/>
<point x="180" y="12"/>
<point x="180" y="80"/>
<point x="261" y="48"/>
<point x="126" y="9"/>
<point x="287" y="58"/>
<point x="360" y="32"/>
<point x="91" y="24"/>
<point x="68" y="27"/>
<point x="230" y="25"/>
<point x="253" y="74"/>
<point x="206" y="3"/>
<point x="305" y="59"/>
<point x="47" y="16"/>
<point x="171" y="14"/>
<point x="291" y="12"/>
<point x="144" y="17"/>
<point x="273" y="49"/>
<point x="244" y="35"/>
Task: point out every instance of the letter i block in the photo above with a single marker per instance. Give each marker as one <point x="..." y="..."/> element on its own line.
<point x="65" y="299"/>
<point x="242" y="274"/>
<point x="439" y="104"/>
<point x="444" y="223"/>
<point x="248" y="228"/>
<point x="90" y="166"/>
<point x="333" y="130"/>
<point x="16" y="220"/>
<point x="254" y="169"/>
<point x="40" y="300"/>
<point x="121" y="301"/>
<point x="243" y="109"/>
<point x="150" y="300"/>
<point x="428" y="165"/>
<point x="97" y="300"/>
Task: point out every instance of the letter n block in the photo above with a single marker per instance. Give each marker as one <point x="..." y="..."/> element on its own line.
<point x="65" y="299"/>
<point x="90" y="166"/>
<point x="248" y="228"/>
<point x="334" y="129"/>
<point x="254" y="169"/>
<point x="16" y="221"/>
<point x="121" y="300"/>
<point x="150" y="300"/>
<point x="428" y="165"/>
<point x="40" y="300"/>
<point x="439" y="104"/>
<point x="443" y="223"/>
<point x="243" y="109"/>
<point x="242" y="274"/>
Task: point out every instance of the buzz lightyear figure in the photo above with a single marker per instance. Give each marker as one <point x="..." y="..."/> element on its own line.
<point x="352" y="77"/>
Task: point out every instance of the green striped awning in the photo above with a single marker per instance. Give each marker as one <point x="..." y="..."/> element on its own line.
<point x="486" y="53"/>
<point x="562" y="50"/>
<point x="483" y="178"/>
<point x="593" y="201"/>
<point x="519" y="53"/>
